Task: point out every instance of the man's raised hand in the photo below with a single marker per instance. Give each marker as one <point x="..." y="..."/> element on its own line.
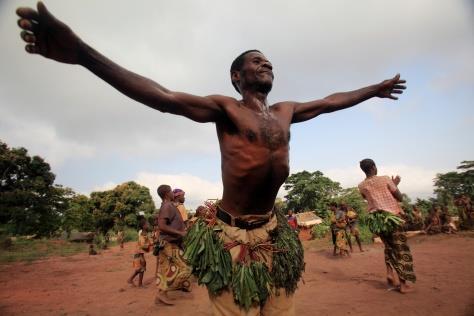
<point x="391" y="86"/>
<point x="47" y="36"/>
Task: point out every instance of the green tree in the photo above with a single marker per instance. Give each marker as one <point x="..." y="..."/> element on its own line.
<point x="121" y="204"/>
<point x="78" y="214"/>
<point x="353" y="198"/>
<point x="30" y="203"/>
<point x="451" y="184"/>
<point x="311" y="191"/>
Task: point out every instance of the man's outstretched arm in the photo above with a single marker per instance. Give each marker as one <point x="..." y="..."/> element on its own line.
<point x="338" y="101"/>
<point x="51" y="38"/>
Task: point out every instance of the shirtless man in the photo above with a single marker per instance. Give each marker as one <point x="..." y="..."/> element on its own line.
<point x="253" y="135"/>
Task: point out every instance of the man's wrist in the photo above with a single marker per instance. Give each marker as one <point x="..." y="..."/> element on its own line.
<point x="83" y="55"/>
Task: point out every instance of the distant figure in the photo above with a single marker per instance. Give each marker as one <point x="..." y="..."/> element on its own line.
<point x="120" y="238"/>
<point x="447" y="225"/>
<point x="353" y="225"/>
<point x="292" y="221"/>
<point x="433" y="225"/>
<point x="332" y="220"/>
<point x="341" y="234"/>
<point x="465" y="211"/>
<point x="143" y="246"/>
<point x="92" y="251"/>
<point x="338" y="221"/>
<point x="418" y="223"/>
<point x="382" y="194"/>
<point x="179" y="203"/>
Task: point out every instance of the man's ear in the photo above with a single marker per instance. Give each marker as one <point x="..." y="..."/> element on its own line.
<point x="235" y="77"/>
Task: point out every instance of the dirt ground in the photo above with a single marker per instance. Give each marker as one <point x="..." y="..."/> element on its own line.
<point x="83" y="285"/>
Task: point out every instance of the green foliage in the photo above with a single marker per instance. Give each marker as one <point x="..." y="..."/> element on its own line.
<point x="365" y="234"/>
<point x="288" y="262"/>
<point x="30" y="203"/>
<point x="425" y="205"/>
<point x="78" y="214"/>
<point x="130" y="234"/>
<point x="121" y="204"/>
<point x="33" y="249"/>
<point x="312" y="191"/>
<point x="383" y="223"/>
<point x="320" y="231"/>
<point x="452" y="184"/>
<point x="100" y="241"/>
<point x="251" y="284"/>
<point x="353" y="198"/>
<point x="205" y="253"/>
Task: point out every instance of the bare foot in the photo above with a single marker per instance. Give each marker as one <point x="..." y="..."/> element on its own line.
<point x="405" y="288"/>
<point x="392" y="285"/>
<point x="131" y="283"/>
<point x="160" y="298"/>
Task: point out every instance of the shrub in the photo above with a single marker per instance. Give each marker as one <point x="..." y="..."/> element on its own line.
<point x="130" y="235"/>
<point x="321" y="230"/>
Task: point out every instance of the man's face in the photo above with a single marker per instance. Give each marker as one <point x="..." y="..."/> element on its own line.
<point x="256" y="73"/>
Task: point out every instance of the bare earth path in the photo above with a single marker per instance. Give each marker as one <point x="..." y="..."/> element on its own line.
<point x="83" y="285"/>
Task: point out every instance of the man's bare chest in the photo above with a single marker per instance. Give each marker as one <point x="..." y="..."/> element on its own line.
<point x="265" y="129"/>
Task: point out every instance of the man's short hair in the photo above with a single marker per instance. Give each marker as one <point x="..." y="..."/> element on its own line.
<point x="367" y="164"/>
<point x="333" y="204"/>
<point x="162" y="190"/>
<point x="239" y="62"/>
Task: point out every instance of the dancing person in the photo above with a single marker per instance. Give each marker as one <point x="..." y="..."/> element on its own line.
<point x="382" y="194"/>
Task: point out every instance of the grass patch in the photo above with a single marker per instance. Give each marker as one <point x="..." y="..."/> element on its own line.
<point x="26" y="250"/>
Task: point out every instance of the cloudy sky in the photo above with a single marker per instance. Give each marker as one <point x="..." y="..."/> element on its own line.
<point x="95" y="138"/>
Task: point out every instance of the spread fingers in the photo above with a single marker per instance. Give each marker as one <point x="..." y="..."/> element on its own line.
<point x="32" y="49"/>
<point x="27" y="13"/>
<point x="28" y="37"/>
<point x="27" y="25"/>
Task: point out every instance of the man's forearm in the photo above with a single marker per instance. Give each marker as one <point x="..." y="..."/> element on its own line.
<point x="129" y="83"/>
<point x="342" y="100"/>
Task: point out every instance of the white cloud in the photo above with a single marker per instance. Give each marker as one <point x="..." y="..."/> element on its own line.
<point x="41" y="139"/>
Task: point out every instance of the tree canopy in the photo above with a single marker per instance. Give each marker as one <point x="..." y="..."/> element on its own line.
<point x="310" y="191"/>
<point x="121" y="205"/>
<point x="452" y="184"/>
<point x="30" y="203"/>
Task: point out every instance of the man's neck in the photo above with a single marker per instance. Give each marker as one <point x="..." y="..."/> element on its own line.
<point x="255" y="100"/>
<point x="370" y="175"/>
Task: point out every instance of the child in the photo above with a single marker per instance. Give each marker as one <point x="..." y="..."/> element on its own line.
<point x="120" y="238"/>
<point x="139" y="264"/>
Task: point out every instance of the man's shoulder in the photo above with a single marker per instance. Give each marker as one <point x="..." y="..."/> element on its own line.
<point x="281" y="106"/>
<point x="222" y="100"/>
